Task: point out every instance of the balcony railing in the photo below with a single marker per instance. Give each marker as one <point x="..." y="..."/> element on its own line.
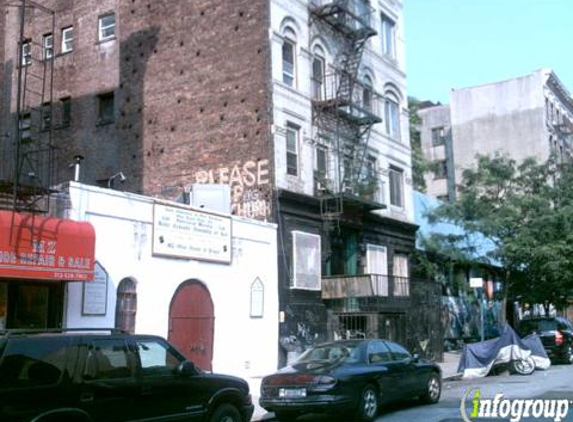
<point x="348" y="16"/>
<point x="367" y="285"/>
<point x="350" y="97"/>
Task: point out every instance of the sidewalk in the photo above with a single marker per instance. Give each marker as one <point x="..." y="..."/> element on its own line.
<point x="449" y="371"/>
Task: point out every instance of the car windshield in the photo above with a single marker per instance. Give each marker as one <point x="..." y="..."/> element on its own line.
<point x="538" y="325"/>
<point x="331" y="353"/>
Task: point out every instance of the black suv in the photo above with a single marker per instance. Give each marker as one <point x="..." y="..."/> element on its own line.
<point x="110" y="376"/>
<point x="555" y="333"/>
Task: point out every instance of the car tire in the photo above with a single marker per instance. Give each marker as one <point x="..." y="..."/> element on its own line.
<point x="285" y="416"/>
<point x="226" y="413"/>
<point x="368" y="406"/>
<point x="433" y="389"/>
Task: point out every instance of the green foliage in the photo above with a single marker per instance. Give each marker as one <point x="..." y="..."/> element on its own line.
<point x="527" y="211"/>
<point x="420" y="166"/>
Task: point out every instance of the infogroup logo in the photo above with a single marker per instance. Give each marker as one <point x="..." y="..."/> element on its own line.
<point x="512" y="409"/>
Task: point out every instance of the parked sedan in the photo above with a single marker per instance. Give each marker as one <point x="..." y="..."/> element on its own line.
<point x="350" y="376"/>
<point x="556" y="334"/>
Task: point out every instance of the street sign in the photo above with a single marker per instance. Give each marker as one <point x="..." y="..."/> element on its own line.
<point x="476" y="282"/>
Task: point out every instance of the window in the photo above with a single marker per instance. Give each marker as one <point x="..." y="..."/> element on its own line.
<point x="126" y="306"/>
<point x="438" y="136"/>
<point x="378" y="352"/>
<point x="26" y="53"/>
<point x="321" y="161"/>
<point x="67" y="39"/>
<point x="292" y="134"/>
<point x="398" y="352"/>
<point x="367" y="93"/>
<point x="32" y="362"/>
<point x="107" y="27"/>
<point x="440" y="169"/>
<point x="377" y="266"/>
<point x="108" y="359"/>
<point x="306" y="261"/>
<point x="25" y="125"/>
<point x="288" y="54"/>
<point x="392" y="117"/>
<point x="318" y="78"/>
<point x="105" y="108"/>
<point x="401" y="276"/>
<point x="396" y="187"/>
<point x="66" y="111"/>
<point x="388" y="36"/>
<point x="46" y="116"/>
<point x="157" y="358"/>
<point x="48" y="45"/>
<point x="443" y="198"/>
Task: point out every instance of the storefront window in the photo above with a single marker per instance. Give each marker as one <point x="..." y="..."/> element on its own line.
<point x="3" y="305"/>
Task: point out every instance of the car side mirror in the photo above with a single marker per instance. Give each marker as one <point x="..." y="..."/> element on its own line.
<point x="187" y="369"/>
<point x="415" y="358"/>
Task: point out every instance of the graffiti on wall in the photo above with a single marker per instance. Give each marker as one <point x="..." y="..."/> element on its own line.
<point x="461" y="318"/>
<point x="249" y="182"/>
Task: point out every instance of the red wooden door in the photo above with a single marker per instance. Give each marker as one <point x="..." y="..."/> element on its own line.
<point x="192" y="323"/>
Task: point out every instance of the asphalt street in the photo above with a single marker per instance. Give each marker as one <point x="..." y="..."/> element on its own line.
<point x="554" y="383"/>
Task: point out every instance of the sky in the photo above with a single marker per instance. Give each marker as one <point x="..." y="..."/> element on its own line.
<point x="460" y="43"/>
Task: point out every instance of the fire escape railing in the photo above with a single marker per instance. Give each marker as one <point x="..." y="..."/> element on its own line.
<point x="26" y="172"/>
<point x="344" y="107"/>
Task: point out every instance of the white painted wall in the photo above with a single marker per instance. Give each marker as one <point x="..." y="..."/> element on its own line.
<point x="243" y="346"/>
<point x="293" y="104"/>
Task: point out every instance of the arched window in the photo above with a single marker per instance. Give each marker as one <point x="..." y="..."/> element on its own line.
<point x="126" y="305"/>
<point x="288" y="56"/>
<point x="392" y="115"/>
<point x="318" y="66"/>
<point x="367" y="93"/>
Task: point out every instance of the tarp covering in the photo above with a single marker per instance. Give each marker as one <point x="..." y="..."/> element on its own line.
<point x="478" y="358"/>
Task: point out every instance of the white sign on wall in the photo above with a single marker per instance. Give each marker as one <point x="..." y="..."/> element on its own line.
<point x="184" y="233"/>
<point x="94" y="297"/>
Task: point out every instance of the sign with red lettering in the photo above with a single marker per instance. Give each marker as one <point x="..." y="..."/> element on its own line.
<point x="48" y="248"/>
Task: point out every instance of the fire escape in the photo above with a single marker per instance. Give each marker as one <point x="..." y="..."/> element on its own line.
<point x="344" y="108"/>
<point x="26" y="172"/>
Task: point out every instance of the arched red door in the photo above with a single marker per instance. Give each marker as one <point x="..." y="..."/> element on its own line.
<point x="192" y="323"/>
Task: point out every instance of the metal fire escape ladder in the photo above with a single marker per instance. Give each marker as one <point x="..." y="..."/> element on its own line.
<point x="338" y="116"/>
<point x="33" y="162"/>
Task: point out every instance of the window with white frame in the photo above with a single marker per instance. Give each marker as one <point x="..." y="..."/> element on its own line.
<point x="292" y="145"/>
<point x="401" y="276"/>
<point x="48" y="46"/>
<point x="388" y="36"/>
<point x="396" y="179"/>
<point x="377" y="266"/>
<point x="67" y="39"/>
<point x="106" y="29"/>
<point x="26" y="53"/>
<point x="392" y="116"/>
<point x="288" y="56"/>
<point x="306" y="261"/>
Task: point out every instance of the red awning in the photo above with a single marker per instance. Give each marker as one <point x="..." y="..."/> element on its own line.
<point x="42" y="247"/>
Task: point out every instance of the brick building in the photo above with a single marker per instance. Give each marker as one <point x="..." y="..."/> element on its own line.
<point x="299" y="106"/>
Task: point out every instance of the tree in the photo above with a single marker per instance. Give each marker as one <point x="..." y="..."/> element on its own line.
<point x="526" y="210"/>
<point x="420" y="165"/>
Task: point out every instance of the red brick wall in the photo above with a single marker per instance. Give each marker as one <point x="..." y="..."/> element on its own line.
<point x="192" y="85"/>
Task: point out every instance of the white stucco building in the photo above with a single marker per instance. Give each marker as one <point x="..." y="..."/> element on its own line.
<point x="243" y="292"/>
